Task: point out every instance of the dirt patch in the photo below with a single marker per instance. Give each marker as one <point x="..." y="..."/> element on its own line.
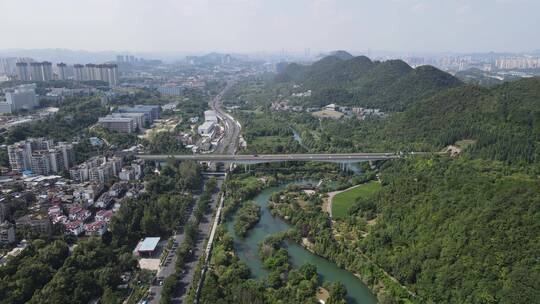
<point x="322" y="295"/>
<point x="309" y="192"/>
<point x="326" y="206"/>
<point x="453" y="150"/>
<point x="307" y="244"/>
<point x="328" y="114"/>
<point x="150" y="264"/>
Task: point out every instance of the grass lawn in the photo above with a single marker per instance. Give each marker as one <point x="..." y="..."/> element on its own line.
<point x="344" y="200"/>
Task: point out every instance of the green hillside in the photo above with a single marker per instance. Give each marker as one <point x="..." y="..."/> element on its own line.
<point x="459" y="231"/>
<point x="391" y="85"/>
<point x="341" y="54"/>
<point x="505" y="120"/>
<point x="462" y="229"/>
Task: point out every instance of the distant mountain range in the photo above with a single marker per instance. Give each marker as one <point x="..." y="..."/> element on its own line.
<point x="389" y="85"/>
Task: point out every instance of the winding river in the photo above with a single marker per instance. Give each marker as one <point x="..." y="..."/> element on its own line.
<point x="247" y="250"/>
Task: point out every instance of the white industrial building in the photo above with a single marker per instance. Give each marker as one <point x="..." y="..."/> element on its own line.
<point x="206" y="129"/>
<point x="210" y="115"/>
<point x="118" y="124"/>
<point x="22" y="97"/>
<point x="172" y="90"/>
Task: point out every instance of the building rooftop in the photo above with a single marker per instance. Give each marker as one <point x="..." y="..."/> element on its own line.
<point x="207" y="125"/>
<point x="114" y="119"/>
<point x="148" y="244"/>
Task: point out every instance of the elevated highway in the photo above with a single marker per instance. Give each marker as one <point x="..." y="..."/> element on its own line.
<point x="270" y="158"/>
<point x="229" y="142"/>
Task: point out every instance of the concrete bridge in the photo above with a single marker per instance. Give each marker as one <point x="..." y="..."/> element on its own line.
<point x="341" y="158"/>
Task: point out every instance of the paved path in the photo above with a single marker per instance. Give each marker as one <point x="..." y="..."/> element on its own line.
<point x="168" y="268"/>
<point x="205" y="225"/>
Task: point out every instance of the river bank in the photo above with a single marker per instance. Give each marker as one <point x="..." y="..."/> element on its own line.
<point x="334" y="247"/>
<point x="247" y="250"/>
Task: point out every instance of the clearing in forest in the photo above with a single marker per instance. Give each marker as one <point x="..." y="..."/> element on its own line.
<point x="341" y="202"/>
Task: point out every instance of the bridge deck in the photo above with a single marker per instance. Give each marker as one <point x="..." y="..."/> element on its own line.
<point x="340" y="157"/>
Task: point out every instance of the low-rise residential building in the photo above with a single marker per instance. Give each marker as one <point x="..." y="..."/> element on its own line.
<point x="95" y="228"/>
<point x="104" y="215"/>
<point x="75" y="228"/>
<point x="78" y="213"/>
<point x="104" y="201"/>
<point x="37" y="223"/>
<point x="87" y="194"/>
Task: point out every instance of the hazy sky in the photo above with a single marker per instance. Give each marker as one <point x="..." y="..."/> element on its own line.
<point x="257" y="25"/>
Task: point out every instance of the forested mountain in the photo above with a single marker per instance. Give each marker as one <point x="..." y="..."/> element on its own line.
<point x="504" y="121"/>
<point x="461" y="229"/>
<point x="341" y="54"/>
<point x="390" y="85"/>
<point x="458" y="231"/>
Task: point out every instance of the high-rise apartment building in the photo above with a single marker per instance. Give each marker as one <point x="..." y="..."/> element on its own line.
<point x="56" y="161"/>
<point x="22" y="71"/>
<point x="78" y="70"/>
<point x="40" y="156"/>
<point x="41" y="162"/>
<point x="46" y="71"/>
<point x="102" y="72"/>
<point x="19" y="157"/>
<point x="40" y="71"/>
<point x="67" y="152"/>
<point x="7" y="65"/>
<point x="518" y="63"/>
<point x="97" y="169"/>
<point x="62" y="71"/>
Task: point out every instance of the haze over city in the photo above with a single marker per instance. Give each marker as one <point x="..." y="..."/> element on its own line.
<point x="269" y="151"/>
<point x="262" y="25"/>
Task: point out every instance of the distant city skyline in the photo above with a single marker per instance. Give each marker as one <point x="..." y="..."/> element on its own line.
<point x="246" y="26"/>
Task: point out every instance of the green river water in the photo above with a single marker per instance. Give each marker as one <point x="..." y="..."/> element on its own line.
<point x="247" y="250"/>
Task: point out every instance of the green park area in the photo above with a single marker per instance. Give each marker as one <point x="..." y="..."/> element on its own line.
<point x="341" y="202"/>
